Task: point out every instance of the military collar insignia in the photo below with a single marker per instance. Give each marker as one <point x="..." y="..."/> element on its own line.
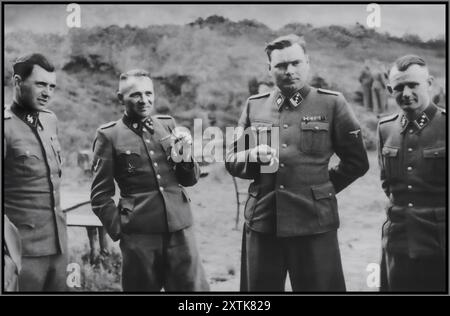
<point x="279" y="100"/>
<point x="295" y="99"/>
<point x="422" y="121"/>
<point x="31" y="118"/>
<point x="138" y="126"/>
<point x="148" y="124"/>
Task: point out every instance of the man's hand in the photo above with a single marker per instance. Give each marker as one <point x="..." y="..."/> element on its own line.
<point x="182" y="146"/>
<point x="263" y="154"/>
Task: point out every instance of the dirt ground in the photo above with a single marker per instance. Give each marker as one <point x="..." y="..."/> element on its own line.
<point x="361" y="209"/>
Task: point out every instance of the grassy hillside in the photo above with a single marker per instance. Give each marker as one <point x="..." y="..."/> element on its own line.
<point x="200" y="68"/>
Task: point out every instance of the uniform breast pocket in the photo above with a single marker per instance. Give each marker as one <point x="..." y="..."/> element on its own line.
<point x="435" y="164"/>
<point x="314" y="138"/>
<point x="391" y="161"/>
<point x="28" y="162"/>
<point x="130" y="160"/>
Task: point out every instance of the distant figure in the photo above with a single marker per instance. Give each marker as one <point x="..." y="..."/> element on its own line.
<point x="438" y="95"/>
<point x="366" y="81"/>
<point x="265" y="86"/>
<point x="378" y="92"/>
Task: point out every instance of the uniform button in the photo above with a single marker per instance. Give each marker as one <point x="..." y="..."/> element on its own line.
<point x="409" y="168"/>
<point x="410" y="205"/>
<point x="409" y="187"/>
<point x="27" y="152"/>
<point x="161" y="189"/>
<point x="285" y="126"/>
<point x="436" y="153"/>
<point x="158" y="176"/>
<point x="151" y="152"/>
<point x="282" y="165"/>
<point x="410" y="149"/>
<point x="330" y="194"/>
<point x="411" y="131"/>
<point x="281" y="187"/>
<point x="284" y="145"/>
<point x="147" y="141"/>
<point x="286" y="108"/>
<point x="316" y="127"/>
<point x="128" y="152"/>
<point x="155" y="164"/>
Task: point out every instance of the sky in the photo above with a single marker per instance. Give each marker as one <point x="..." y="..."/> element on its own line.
<point x="427" y="21"/>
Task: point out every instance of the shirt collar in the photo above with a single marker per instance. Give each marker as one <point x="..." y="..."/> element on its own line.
<point x="30" y="117"/>
<point x="293" y="100"/>
<point x="138" y="125"/>
<point x="421" y="122"/>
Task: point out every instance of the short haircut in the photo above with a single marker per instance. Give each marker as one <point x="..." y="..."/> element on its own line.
<point x="23" y="66"/>
<point x="404" y="62"/>
<point x="283" y="42"/>
<point x="136" y="73"/>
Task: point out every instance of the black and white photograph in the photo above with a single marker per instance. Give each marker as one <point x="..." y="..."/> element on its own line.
<point x="225" y="147"/>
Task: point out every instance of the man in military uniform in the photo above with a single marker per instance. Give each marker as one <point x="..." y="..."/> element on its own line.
<point x="32" y="173"/>
<point x="291" y="214"/>
<point x="412" y="152"/>
<point x="153" y="218"/>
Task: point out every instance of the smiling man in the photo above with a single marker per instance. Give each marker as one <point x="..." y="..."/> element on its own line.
<point x="152" y="220"/>
<point x="291" y="214"/>
<point x="32" y="172"/>
<point x="412" y="152"/>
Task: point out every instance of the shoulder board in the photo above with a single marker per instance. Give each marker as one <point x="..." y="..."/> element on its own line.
<point x="259" y="96"/>
<point x="108" y="125"/>
<point x="6" y="114"/>
<point x="325" y="91"/>
<point x="388" y="118"/>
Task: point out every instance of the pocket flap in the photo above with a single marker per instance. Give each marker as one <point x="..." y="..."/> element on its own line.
<point x="323" y="191"/>
<point x="260" y="124"/>
<point x="389" y="151"/>
<point x="185" y="194"/>
<point x="129" y="150"/>
<point x="434" y="152"/>
<point x="126" y="204"/>
<point x="315" y="126"/>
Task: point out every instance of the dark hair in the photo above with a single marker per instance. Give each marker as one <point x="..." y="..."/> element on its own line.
<point x="23" y="66"/>
<point x="283" y="42"/>
<point x="406" y="61"/>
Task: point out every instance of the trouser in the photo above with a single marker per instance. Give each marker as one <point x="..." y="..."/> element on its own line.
<point x="171" y="261"/>
<point x="401" y="273"/>
<point x="379" y="102"/>
<point x="367" y="96"/>
<point x="313" y="262"/>
<point x="43" y="274"/>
